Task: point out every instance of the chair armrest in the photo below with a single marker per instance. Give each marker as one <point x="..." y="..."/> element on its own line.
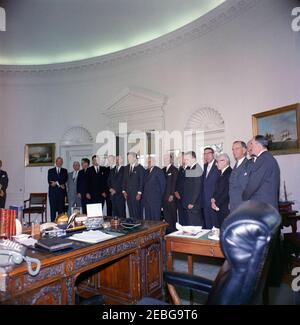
<point x="26" y="202"/>
<point x="188" y="281"/>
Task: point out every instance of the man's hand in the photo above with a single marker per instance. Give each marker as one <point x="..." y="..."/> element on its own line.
<point x="177" y="195"/>
<point x="63" y="186"/>
<point x="213" y="204"/>
<point x="138" y="197"/>
<point x="103" y="194"/>
<point x="53" y="183"/>
<point x="88" y="196"/>
<point x="190" y="206"/>
<point x="112" y="191"/>
<point x="171" y="198"/>
<point x="79" y="195"/>
<point x="125" y="195"/>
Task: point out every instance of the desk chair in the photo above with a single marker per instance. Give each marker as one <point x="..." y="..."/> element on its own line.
<point x="247" y="239"/>
<point x="37" y="203"/>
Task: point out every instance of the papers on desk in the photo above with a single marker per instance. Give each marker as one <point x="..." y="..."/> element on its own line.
<point x="215" y="234"/>
<point x="91" y="236"/>
<point x="189" y="231"/>
<point x="25" y="240"/>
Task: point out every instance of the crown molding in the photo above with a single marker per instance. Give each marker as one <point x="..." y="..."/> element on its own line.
<point x="224" y="13"/>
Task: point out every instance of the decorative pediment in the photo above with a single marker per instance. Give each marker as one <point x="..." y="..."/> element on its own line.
<point x="76" y="135"/>
<point x="141" y="109"/>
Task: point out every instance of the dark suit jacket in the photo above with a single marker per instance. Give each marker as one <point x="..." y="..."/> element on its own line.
<point x="264" y="180"/>
<point x="221" y="193"/>
<point x="97" y="183"/>
<point x="62" y="179"/>
<point x="180" y="181"/>
<point x="115" y="179"/>
<point x="82" y="182"/>
<point x="3" y="180"/>
<point x="192" y="187"/>
<point x="171" y="179"/>
<point x="237" y="183"/>
<point x="154" y="187"/>
<point x="133" y="182"/>
<point x="209" y="184"/>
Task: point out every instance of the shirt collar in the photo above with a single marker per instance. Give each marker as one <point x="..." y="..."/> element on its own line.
<point x="224" y="170"/>
<point x="264" y="150"/>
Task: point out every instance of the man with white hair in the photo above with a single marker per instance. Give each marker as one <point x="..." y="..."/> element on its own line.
<point x="220" y="199"/>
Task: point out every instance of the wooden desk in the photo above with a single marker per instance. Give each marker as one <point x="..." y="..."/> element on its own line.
<point x="191" y="246"/>
<point x="123" y="269"/>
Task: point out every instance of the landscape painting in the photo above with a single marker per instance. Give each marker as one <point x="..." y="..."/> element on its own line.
<point x="281" y="127"/>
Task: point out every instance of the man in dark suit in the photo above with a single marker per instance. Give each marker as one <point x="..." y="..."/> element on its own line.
<point x="133" y="185"/>
<point x="154" y="190"/>
<point x="191" y="200"/>
<point x="264" y="178"/>
<point x="57" y="178"/>
<point x="3" y="186"/>
<point x="209" y="179"/>
<point x="169" y="203"/>
<point x="111" y="166"/>
<point x="97" y="182"/>
<point x="82" y="183"/>
<point x="179" y="190"/>
<point x="115" y="186"/>
<point x="220" y="199"/>
<point x="263" y="185"/>
<point x="239" y="175"/>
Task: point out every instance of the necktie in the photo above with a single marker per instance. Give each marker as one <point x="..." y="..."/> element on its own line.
<point x="235" y="166"/>
<point x="58" y="170"/>
<point x="97" y="169"/>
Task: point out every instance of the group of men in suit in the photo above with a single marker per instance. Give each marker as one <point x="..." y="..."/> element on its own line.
<point x="186" y="194"/>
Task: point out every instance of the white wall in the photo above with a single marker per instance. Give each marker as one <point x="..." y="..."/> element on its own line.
<point x="248" y="65"/>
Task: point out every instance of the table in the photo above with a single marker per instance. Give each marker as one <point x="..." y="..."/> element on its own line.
<point x="191" y="246"/>
<point x="123" y="269"/>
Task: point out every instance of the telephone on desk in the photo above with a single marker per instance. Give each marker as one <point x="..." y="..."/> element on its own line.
<point x="13" y="253"/>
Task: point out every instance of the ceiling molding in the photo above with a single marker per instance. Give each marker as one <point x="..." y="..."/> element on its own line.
<point x="226" y="12"/>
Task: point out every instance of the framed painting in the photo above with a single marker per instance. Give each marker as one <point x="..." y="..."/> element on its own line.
<point x="39" y="154"/>
<point x="282" y="128"/>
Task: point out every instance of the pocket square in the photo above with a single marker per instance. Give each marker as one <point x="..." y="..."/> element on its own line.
<point x="169" y="174"/>
<point x="245" y="174"/>
<point x="3" y="176"/>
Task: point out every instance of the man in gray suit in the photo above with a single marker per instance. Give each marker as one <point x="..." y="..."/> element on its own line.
<point x="239" y="175"/>
<point x="73" y="198"/>
<point x="264" y="178"/>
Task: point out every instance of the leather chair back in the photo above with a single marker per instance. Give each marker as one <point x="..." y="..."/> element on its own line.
<point x="247" y="240"/>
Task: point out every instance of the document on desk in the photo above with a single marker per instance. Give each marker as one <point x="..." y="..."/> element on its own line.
<point x="91" y="236"/>
<point x="182" y="233"/>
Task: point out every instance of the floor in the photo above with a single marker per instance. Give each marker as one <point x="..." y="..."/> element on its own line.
<point x="209" y="268"/>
